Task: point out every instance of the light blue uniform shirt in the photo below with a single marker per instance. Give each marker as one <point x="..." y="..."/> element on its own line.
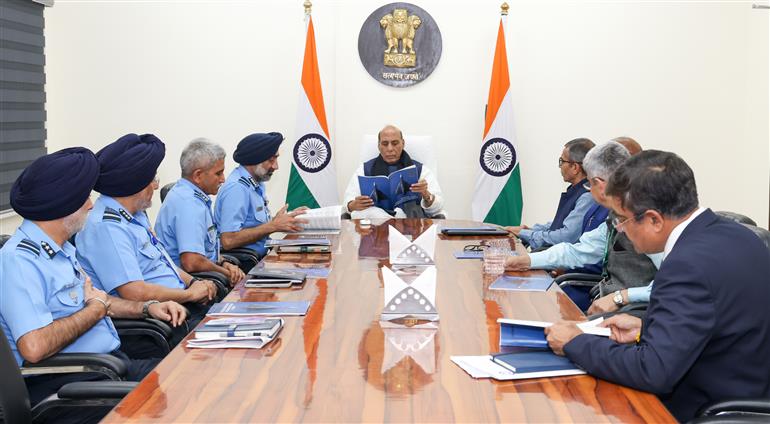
<point x="116" y="248"/>
<point x="589" y="249"/>
<point x="541" y="235"/>
<point x="241" y="203"/>
<point x="41" y="282"/>
<point x="186" y="223"/>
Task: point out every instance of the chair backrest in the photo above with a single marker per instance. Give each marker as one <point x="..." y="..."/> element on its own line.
<point x="164" y="191"/>
<point x="739" y="218"/>
<point x="14" y="398"/>
<point x="419" y="147"/>
<point x="763" y="234"/>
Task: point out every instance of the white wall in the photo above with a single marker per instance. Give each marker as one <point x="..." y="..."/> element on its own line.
<point x="681" y="76"/>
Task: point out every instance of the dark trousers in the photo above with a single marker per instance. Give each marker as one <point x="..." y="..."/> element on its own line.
<point x="42" y="386"/>
<point x="580" y="295"/>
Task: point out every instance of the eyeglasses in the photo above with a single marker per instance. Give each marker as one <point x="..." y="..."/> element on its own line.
<point x="474" y="248"/>
<point x="588" y="185"/>
<point x="562" y="162"/>
<point x="618" y="224"/>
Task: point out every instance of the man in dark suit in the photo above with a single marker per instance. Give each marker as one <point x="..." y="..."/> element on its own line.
<point x="706" y="336"/>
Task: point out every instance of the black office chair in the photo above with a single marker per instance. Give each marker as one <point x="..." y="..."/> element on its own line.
<point x="763" y="234"/>
<point x="739" y="218"/>
<point x="165" y="189"/>
<point x="735" y="411"/>
<point x="100" y="395"/>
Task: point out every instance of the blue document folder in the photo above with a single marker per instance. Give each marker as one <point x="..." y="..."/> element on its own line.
<point x="509" y="282"/>
<point x="469" y="254"/>
<point x="537" y="361"/>
<point x="519" y="333"/>
<point x="391" y="191"/>
<point x="259" y="308"/>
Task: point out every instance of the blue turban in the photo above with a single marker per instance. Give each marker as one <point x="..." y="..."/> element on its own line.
<point x="129" y="164"/>
<point x="55" y="185"/>
<point x="257" y="148"/>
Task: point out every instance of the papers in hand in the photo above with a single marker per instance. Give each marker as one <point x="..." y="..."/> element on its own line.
<point x="322" y="219"/>
<point x="258" y="308"/>
<point x="415" y="300"/>
<point x="523" y="333"/>
<point x="512" y="283"/>
<point x="390" y="192"/>
<point x="418" y="252"/>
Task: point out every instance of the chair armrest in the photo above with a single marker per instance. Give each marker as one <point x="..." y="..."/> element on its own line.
<point x="150" y="324"/>
<point x="96" y="389"/>
<point x="64" y="363"/>
<point x="577" y="276"/>
<point x="248" y="258"/>
<point x="740" y="406"/>
<point x="638" y="306"/>
<point x="219" y="279"/>
<point x="232" y="259"/>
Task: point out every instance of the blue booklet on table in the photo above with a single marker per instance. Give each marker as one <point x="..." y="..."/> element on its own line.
<point x="391" y="191"/>
<point x="532" y="363"/>
<point x="258" y="308"/>
<point x="512" y="283"/>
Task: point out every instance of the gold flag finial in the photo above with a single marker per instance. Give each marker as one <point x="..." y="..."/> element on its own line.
<point x="504" y="8"/>
<point x="308" y="6"/>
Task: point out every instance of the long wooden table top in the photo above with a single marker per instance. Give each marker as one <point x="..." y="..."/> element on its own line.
<point x="339" y="363"/>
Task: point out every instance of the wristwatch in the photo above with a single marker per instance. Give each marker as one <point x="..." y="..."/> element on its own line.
<point x="618" y="298"/>
<point x="146" y="307"/>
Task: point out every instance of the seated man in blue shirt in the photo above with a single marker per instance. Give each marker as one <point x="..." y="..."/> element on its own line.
<point x="117" y="246"/>
<point x="241" y="208"/>
<point x="47" y="302"/>
<point x="185" y="223"/>
<point x="574" y="203"/>
<point x="706" y="335"/>
<point x="621" y="266"/>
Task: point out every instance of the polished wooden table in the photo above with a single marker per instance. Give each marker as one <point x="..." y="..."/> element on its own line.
<point x="340" y="364"/>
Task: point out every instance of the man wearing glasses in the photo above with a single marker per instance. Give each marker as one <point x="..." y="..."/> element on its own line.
<point x="706" y="335"/>
<point x="621" y="266"/>
<point x="575" y="202"/>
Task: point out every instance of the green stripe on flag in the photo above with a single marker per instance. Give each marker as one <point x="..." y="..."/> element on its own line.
<point x="298" y="194"/>
<point x="507" y="208"/>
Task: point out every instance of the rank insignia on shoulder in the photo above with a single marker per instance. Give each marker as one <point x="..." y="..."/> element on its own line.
<point x="111" y="215"/>
<point x="29" y="246"/>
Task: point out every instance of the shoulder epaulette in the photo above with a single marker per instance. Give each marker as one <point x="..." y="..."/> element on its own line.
<point x="245" y="181"/>
<point x="111" y="215"/>
<point x="201" y="196"/>
<point x="29" y="246"/>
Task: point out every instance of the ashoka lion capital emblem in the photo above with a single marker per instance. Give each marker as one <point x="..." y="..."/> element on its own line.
<point x="400" y="26"/>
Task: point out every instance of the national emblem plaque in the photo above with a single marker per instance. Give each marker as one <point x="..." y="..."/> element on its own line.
<point x="399" y="44"/>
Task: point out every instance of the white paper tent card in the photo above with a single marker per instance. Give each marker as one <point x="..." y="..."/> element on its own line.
<point x="415" y="300"/>
<point x="416" y="342"/>
<point x="417" y="252"/>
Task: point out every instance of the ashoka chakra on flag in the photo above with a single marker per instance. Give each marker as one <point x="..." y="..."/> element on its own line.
<point x="498" y="157"/>
<point x="312" y="152"/>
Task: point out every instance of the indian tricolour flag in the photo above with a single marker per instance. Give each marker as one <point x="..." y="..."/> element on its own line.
<point x="497" y="194"/>
<point x="313" y="180"/>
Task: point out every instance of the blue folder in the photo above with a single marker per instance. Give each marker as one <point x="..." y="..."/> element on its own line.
<point x="534" y="361"/>
<point x="519" y="335"/>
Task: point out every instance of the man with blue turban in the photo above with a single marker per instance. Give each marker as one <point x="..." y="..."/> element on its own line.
<point x="241" y="208"/>
<point x="47" y="302"/>
<point x="118" y="248"/>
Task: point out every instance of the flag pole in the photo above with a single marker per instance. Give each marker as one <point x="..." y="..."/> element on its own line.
<point x="308" y="6"/>
<point x="503" y="8"/>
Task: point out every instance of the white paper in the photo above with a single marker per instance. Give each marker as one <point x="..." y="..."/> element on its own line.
<point x="482" y="367"/>
<point x="418" y="252"/>
<point x="322" y="219"/>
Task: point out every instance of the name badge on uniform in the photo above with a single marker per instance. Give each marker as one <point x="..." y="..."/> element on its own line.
<point x="74" y="296"/>
<point x="259" y="209"/>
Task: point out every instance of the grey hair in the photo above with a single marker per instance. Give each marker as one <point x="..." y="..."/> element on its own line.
<point x="603" y="160"/>
<point x="201" y="153"/>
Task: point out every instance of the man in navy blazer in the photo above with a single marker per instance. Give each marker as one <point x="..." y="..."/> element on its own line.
<point x="706" y="336"/>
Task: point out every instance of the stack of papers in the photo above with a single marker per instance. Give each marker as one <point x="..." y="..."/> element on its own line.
<point x="535" y="363"/>
<point x="258" y="308"/>
<point x="300" y="245"/>
<point x="322" y="220"/>
<point x="273" y="278"/>
<point x="240" y="332"/>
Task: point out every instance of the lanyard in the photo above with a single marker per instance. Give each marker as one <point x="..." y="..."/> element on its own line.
<point x="158" y="245"/>
<point x="610" y="236"/>
<point x="261" y="194"/>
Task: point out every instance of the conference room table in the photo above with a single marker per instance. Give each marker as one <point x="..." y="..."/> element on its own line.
<point x="340" y="363"/>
